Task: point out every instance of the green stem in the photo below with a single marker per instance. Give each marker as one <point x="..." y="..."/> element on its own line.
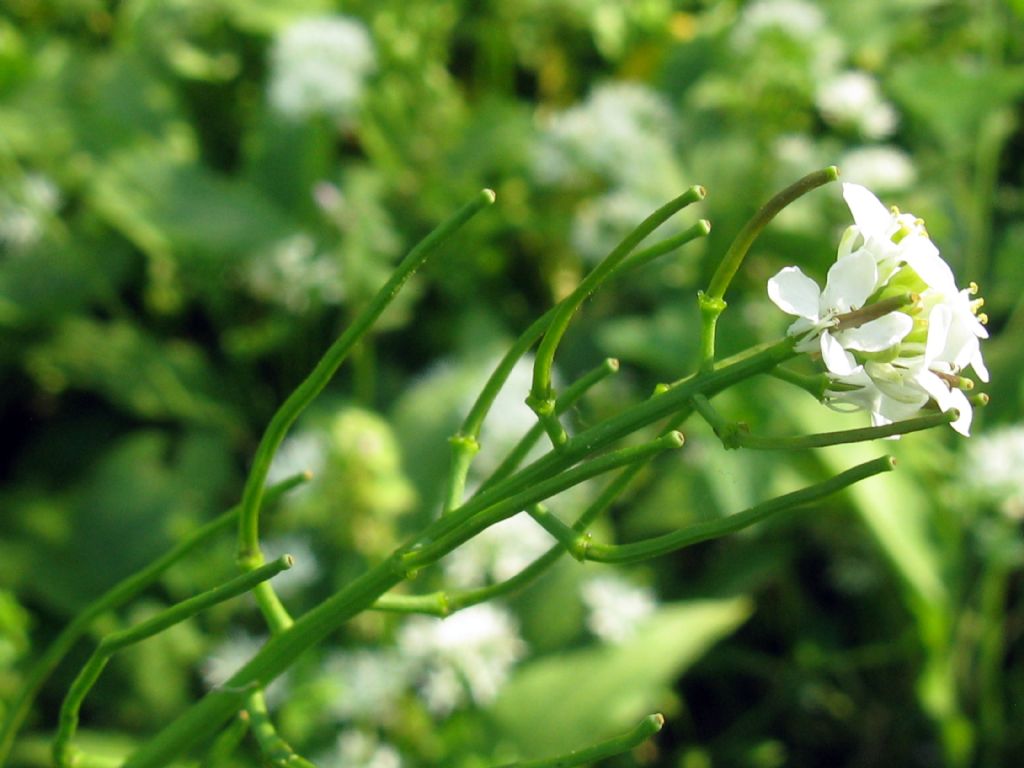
<point x="737" y="435"/>
<point x="582" y="548"/>
<point x="565" y="401"/>
<point x="733" y="258"/>
<point x="203" y="719"/>
<point x="113" y="598"/>
<point x="647" y="727"/>
<point x="481" y="406"/>
<point x="712" y="301"/>
<point x="117" y="641"/>
<point x="249" y="554"/>
<point x="488" y="516"/>
<point x="276" y="751"/>
<point x="541" y="395"/>
<point x="813" y="384"/>
<point x="446" y="603"/>
<point x="225" y="744"/>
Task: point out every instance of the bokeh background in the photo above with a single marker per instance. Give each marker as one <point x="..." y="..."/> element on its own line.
<point x="197" y="195"/>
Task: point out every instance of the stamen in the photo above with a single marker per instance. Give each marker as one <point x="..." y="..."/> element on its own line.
<point x="972" y="288"/>
<point x="983" y="318"/>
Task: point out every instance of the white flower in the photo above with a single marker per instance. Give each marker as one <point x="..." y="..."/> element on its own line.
<point x="615" y="607"/>
<point x="294" y="273"/>
<point x="230" y="656"/>
<point x="993" y="469"/>
<point x="303" y="572"/>
<point x="854" y="99"/>
<point x="319" y="66"/>
<point x="359" y="749"/>
<point x="498" y="553"/>
<point x="850" y="282"/>
<point x="798" y="19"/>
<point x="470" y="653"/>
<point x="882" y="167"/>
<point x="370" y="682"/>
<point x="890" y="366"/>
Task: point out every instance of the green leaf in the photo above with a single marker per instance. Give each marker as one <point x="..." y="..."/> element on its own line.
<point x="148" y="377"/>
<point x="570" y="700"/>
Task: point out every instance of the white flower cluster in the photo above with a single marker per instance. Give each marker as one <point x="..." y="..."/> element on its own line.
<point x="26" y="205"/>
<point x="465" y="655"/>
<point x="853" y="99"/>
<point x="597" y="142"/>
<point x="293" y="273"/>
<point x="615" y="608"/>
<point x="891" y="326"/>
<point x="992" y="470"/>
<point x="360" y="749"/>
<point x="319" y="66"/>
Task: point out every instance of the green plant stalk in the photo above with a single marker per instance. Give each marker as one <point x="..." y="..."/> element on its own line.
<point x="712" y="301"/>
<point x="227" y="742"/>
<point x="444" y="603"/>
<point x="202" y="720"/>
<point x="583" y="549"/>
<point x="277" y="753"/>
<point x="813" y="384"/>
<point x="115" y="597"/>
<point x="541" y="394"/>
<point x="440" y="546"/>
<point x="464" y="441"/>
<point x="564" y="402"/>
<point x="672" y="399"/>
<point x="618" y="745"/>
<point x="248" y="529"/>
<point x="734" y="435"/>
<point x="464" y="447"/>
<point x="117" y="641"/>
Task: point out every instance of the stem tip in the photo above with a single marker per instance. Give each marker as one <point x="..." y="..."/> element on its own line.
<point x="488" y="195"/>
<point x="833" y="172"/>
<point x="611" y="364"/>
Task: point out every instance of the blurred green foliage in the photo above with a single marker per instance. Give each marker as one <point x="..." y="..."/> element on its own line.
<point x="181" y="235"/>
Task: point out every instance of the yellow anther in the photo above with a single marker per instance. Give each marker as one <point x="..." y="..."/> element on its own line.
<point x="983" y="318"/>
<point x="972" y="288"/>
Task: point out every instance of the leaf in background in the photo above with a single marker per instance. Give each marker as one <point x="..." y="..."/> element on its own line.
<point x="952" y="98"/>
<point x="149" y="377"/>
<point x="569" y="700"/>
<point x="121" y="515"/>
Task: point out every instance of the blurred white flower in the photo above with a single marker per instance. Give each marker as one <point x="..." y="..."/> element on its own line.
<point x="615" y="608"/>
<point x="601" y="222"/>
<point x="885" y="168"/>
<point x="619" y="141"/>
<point x="498" y="553"/>
<point x="25" y="207"/>
<point x="467" y="655"/>
<point x="993" y="469"/>
<point x="230" y="655"/>
<point x="853" y="100"/>
<point x="319" y="66"/>
<point x="797" y="19"/>
<point x="360" y="749"/>
<point x="370" y="683"/>
<point x="294" y="274"/>
<point x="620" y="133"/>
<point x="305" y="569"/>
<point x="300" y="452"/>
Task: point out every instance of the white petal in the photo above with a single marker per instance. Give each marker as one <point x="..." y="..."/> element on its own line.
<point x="923" y="257"/>
<point x="795" y="293"/>
<point x="850" y="281"/>
<point x="878" y="334"/>
<point x="939" y="321"/>
<point x="961" y="403"/>
<point x="837" y="359"/>
<point x="871" y="216"/>
<point x="936" y="388"/>
<point x="979" y="365"/>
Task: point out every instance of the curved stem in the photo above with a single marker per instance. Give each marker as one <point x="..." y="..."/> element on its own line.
<point x="115" y="597"/>
<point x="582" y="548"/>
<point x="276" y="751"/>
<point x="541" y="394"/>
<point x="249" y="554"/>
<point x="117" y="641"/>
<point x="712" y="301"/>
